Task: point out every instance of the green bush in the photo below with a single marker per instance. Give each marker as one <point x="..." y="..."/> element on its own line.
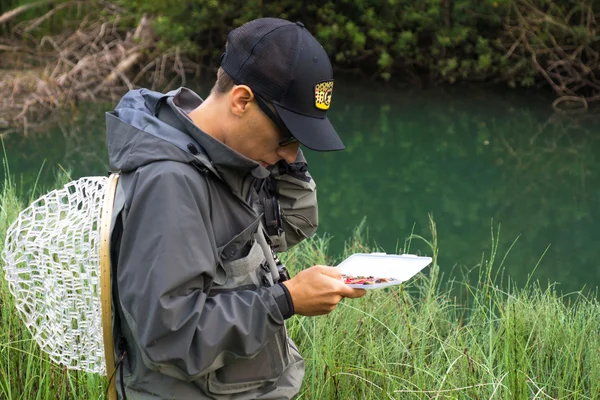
<point x="518" y="42"/>
<point x="444" y="40"/>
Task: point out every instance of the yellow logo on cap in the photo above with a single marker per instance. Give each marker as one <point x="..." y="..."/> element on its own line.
<point x="323" y="92"/>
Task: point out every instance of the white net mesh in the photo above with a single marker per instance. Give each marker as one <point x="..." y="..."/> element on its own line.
<point x="52" y="266"/>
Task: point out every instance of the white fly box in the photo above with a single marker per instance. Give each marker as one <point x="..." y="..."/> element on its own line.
<point x="377" y="270"/>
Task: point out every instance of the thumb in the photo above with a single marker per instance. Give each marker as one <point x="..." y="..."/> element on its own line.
<point x="333" y="272"/>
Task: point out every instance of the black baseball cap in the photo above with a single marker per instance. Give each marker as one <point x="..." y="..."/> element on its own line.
<point x="285" y="65"/>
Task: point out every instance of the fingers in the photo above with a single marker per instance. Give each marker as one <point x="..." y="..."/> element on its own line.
<point x="353" y="293"/>
<point x="344" y="290"/>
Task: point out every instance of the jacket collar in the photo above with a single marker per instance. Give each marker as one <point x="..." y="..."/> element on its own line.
<point x="236" y="170"/>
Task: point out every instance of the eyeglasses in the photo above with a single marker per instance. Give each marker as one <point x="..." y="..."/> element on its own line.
<point x="288" y="138"/>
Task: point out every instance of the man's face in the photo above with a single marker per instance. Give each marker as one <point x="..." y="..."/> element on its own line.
<point x="258" y="138"/>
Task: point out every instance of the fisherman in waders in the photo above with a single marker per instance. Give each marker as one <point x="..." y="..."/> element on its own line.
<point x="209" y="191"/>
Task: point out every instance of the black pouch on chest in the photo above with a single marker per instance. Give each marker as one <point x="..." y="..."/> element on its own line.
<point x="243" y="262"/>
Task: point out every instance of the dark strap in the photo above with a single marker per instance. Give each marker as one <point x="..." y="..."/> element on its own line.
<point x="123" y="394"/>
<point x="115" y="245"/>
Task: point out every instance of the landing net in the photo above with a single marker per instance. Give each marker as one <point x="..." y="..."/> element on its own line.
<point x="52" y="265"/>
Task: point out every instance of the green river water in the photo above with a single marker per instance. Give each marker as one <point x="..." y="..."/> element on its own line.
<point x="474" y="160"/>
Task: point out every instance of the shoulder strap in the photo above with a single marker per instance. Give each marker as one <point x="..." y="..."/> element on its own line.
<point x="105" y="283"/>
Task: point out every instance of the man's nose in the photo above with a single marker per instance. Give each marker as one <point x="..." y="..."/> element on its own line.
<point x="289" y="152"/>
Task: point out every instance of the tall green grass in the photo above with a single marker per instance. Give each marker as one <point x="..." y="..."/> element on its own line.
<point x="430" y="338"/>
<point x="478" y="338"/>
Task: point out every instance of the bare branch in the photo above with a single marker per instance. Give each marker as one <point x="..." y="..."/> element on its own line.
<point x="38" y="21"/>
<point x="9" y="15"/>
<point x="124" y="66"/>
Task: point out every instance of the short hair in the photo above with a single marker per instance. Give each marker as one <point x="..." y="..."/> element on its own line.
<point x="223" y="84"/>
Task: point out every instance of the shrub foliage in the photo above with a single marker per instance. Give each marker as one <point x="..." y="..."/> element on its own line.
<point x="519" y="42"/>
<point x="425" y="42"/>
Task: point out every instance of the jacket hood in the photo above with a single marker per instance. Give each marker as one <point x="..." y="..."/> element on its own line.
<point x="136" y="137"/>
<point x="148" y="126"/>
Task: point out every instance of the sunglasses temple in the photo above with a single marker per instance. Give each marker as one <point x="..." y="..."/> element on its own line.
<point x="272" y="116"/>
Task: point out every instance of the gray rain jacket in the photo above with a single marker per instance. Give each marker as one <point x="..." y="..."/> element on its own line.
<point x="198" y="309"/>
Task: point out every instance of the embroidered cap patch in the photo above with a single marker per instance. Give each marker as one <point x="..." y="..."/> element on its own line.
<point x="323" y="92"/>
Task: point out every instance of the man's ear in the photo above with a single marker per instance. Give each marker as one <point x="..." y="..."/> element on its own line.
<point x="239" y="99"/>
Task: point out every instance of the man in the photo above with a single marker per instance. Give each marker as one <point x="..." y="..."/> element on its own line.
<point x="207" y="189"/>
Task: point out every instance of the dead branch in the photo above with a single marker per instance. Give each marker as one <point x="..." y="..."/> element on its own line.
<point x="38" y="21"/>
<point x="574" y="99"/>
<point x="565" y="58"/>
<point x="95" y="61"/>
<point x="143" y="33"/>
<point x="9" y="15"/>
<point x="13" y="49"/>
<point x="124" y="66"/>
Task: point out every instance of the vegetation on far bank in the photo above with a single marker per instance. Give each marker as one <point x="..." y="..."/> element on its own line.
<point x="468" y="339"/>
<point x="85" y="50"/>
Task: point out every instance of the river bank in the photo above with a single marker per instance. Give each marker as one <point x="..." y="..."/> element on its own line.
<point x="96" y="58"/>
<point x="83" y="51"/>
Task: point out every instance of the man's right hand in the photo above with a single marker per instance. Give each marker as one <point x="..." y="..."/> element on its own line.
<point x="318" y="289"/>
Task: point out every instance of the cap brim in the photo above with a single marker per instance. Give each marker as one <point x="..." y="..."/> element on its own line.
<point x="315" y="133"/>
